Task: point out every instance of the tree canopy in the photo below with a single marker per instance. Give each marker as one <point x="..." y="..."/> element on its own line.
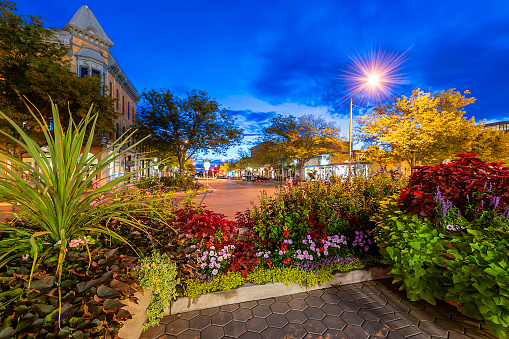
<point x="32" y="67"/>
<point x="427" y="128"/>
<point x="302" y="138"/>
<point x="184" y="127"/>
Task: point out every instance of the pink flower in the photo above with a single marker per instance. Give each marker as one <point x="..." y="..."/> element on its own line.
<point x="74" y="243"/>
<point x="58" y="242"/>
<point x="25" y="257"/>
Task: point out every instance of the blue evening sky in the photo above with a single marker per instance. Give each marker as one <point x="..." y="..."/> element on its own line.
<point x="259" y="58"/>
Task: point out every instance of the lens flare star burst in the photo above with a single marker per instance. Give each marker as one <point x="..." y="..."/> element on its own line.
<point x="378" y="72"/>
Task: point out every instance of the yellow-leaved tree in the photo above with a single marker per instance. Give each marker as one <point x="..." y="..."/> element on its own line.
<point x="427" y="128"/>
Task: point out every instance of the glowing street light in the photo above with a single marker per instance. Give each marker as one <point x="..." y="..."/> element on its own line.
<point x="373" y="80"/>
<point x="379" y="71"/>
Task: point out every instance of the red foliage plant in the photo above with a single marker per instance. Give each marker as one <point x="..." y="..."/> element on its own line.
<point x="244" y="257"/>
<point x="458" y="181"/>
<point x="204" y="225"/>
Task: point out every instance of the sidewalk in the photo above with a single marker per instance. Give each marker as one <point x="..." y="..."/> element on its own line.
<point x="372" y="309"/>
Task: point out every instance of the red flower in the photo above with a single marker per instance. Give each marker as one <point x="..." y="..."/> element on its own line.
<point x="286" y="260"/>
<point x="286" y="234"/>
<point x="283" y="248"/>
<point x="269" y="263"/>
<point x="209" y="244"/>
<point x="321" y="249"/>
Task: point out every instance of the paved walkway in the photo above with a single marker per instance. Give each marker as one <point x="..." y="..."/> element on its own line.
<point x="373" y="309"/>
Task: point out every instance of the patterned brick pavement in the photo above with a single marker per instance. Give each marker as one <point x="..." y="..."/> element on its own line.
<point x="372" y="309"/>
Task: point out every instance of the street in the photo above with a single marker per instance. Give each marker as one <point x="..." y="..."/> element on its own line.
<point x="231" y="196"/>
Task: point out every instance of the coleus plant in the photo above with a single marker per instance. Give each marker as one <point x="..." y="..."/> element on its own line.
<point x="464" y="181"/>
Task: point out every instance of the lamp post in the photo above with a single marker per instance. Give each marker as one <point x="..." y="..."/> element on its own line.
<point x="372" y="81"/>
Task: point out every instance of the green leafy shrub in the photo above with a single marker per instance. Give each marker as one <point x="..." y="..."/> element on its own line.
<point x="466" y="262"/>
<point x="160" y="275"/>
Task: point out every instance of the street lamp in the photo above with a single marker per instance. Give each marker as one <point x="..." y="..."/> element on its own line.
<point x="372" y="80"/>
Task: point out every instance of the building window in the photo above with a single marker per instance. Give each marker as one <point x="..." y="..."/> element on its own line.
<point x="83" y="71"/>
<point x="116" y="132"/>
<point x="133" y="115"/>
<point x="111" y="89"/>
<point x="123" y="106"/>
<point x="96" y="73"/>
<point x="128" y="109"/>
<point x="116" y="103"/>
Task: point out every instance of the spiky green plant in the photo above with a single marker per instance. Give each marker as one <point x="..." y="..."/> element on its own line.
<point x="54" y="196"/>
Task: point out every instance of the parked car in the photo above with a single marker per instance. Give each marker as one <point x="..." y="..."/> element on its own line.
<point x="261" y="178"/>
<point x="247" y="178"/>
<point x="221" y="177"/>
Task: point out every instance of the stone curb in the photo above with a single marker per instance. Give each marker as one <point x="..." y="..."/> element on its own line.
<point x="249" y="292"/>
<point x="132" y="328"/>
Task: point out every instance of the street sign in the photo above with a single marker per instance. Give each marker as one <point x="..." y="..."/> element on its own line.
<point x="129" y="163"/>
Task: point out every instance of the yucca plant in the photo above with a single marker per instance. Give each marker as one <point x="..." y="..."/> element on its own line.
<point x="55" y="197"/>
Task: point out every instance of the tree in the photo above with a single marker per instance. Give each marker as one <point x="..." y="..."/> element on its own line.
<point x="184" y="127"/>
<point x="302" y="138"/>
<point x="424" y="128"/>
<point x="32" y="67"/>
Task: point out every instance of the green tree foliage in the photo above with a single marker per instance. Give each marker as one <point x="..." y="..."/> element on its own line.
<point x="302" y="138"/>
<point x="184" y="127"/>
<point x="428" y="128"/>
<point x="32" y="66"/>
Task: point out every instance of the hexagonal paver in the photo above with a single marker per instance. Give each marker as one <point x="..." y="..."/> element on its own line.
<point x="314" y="301"/>
<point x="199" y="322"/>
<point x="367" y="315"/>
<point x="212" y="331"/>
<point x="221" y="318"/>
<point x="277" y="320"/>
<point x="250" y="335"/>
<point x="422" y="315"/>
<point x="301" y="295"/>
<point x="356" y="332"/>
<point x="314" y="326"/>
<point x="261" y="311"/>
<point x="177" y="326"/>
<point x="189" y="334"/>
<point x="334" y="322"/>
<point x="210" y="311"/>
<point x="375" y="328"/>
<point x="229" y="308"/>
<point x="266" y="302"/>
<point x="280" y="307"/>
<point x="168" y="319"/>
<point x="370" y="289"/>
<point x="352" y="318"/>
<point x="284" y="298"/>
<point x="336" y="334"/>
<point x="395" y="335"/>
<point x="316" y="293"/>
<point x="294" y="330"/>
<point x="330" y="298"/>
<point x="248" y="304"/>
<point x="153" y="332"/>
<point x="273" y="333"/>
<point x="349" y="306"/>
<point x="344" y="295"/>
<point x="297" y="304"/>
<point x="256" y="324"/>
<point x="297" y="317"/>
<point x="314" y="313"/>
<point x="332" y="309"/>
<point x="433" y="329"/>
<point x="364" y="302"/>
<point x="189" y="315"/>
<point x="234" y="329"/>
<point x="242" y="314"/>
<point x="450" y="325"/>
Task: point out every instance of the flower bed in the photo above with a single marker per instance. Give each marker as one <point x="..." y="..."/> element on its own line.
<point x="447" y="237"/>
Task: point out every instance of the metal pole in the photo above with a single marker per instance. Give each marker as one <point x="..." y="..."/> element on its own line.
<point x="350" y="143"/>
